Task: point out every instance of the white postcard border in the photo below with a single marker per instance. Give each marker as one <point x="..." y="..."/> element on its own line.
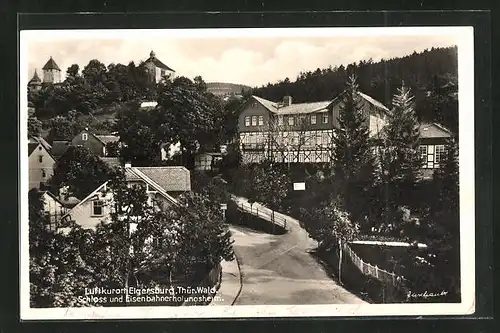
<point x="466" y="168"/>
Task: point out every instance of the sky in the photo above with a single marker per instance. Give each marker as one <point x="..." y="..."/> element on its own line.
<point x="251" y="60"/>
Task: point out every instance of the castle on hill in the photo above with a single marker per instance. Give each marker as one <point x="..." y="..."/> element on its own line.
<point x="52" y="73"/>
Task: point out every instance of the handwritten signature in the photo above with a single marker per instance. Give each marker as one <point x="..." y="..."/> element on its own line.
<point x="426" y="294"/>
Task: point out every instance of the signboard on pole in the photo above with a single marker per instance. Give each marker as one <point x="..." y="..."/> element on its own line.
<point x="223" y="206"/>
<point x="299" y="186"/>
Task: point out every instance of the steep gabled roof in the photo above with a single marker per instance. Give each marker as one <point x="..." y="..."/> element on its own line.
<point x="35" y="79"/>
<point x="53" y="196"/>
<point x="34" y="143"/>
<point x="108" y="138"/>
<point x="51" y="64"/>
<point x="31" y="147"/>
<point x="301" y="108"/>
<point x="368" y="99"/>
<point x="271" y="106"/>
<point x="373" y="101"/>
<point x="170" y="178"/>
<point x="87" y="198"/>
<point x="426" y="130"/>
<point x="42" y="141"/>
<point x="434" y="130"/>
<point x="133" y="174"/>
<point x="152" y="58"/>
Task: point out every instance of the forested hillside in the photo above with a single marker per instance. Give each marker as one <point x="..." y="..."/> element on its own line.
<point x="223" y="88"/>
<point x="431" y="75"/>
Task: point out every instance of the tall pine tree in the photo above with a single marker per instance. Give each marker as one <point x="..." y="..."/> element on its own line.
<point x="401" y="161"/>
<point x="353" y="159"/>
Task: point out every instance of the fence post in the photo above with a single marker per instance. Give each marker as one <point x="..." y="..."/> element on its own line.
<point x="376" y="271"/>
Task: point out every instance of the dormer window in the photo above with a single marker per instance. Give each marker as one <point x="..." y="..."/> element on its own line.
<point x="85" y="136"/>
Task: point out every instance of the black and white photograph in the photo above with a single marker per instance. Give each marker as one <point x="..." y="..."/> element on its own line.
<point x="217" y="173"/>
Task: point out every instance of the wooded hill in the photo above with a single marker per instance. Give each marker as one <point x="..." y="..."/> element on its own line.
<point x="223" y="88"/>
<point x="432" y="76"/>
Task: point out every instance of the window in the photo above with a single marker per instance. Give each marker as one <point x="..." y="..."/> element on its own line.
<point x="261" y="120"/>
<point x="97" y="208"/>
<point x="325" y="118"/>
<point x="254" y="120"/>
<point x="40" y="158"/>
<point x="85" y="136"/>
<point x="313" y="119"/>
<point x="39" y="147"/>
<point x="290" y="120"/>
<point x="440" y="153"/>
<point x="247" y="121"/>
<point x="162" y="72"/>
<point x="280" y="120"/>
<point x="43" y="174"/>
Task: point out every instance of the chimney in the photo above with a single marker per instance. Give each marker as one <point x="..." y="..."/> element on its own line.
<point x="287" y="100"/>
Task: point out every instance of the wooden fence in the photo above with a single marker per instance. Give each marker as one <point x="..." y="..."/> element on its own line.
<point x="264" y="213"/>
<point x="374" y="271"/>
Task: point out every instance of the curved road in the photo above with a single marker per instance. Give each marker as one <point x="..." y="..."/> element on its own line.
<point x="278" y="269"/>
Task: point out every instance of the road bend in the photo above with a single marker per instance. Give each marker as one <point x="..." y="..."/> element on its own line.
<point x="279" y="269"/>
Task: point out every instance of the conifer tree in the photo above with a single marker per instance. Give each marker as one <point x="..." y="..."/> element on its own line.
<point x="353" y="159"/>
<point x="400" y="159"/>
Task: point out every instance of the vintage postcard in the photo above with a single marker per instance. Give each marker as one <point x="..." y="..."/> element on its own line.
<point x="231" y="173"/>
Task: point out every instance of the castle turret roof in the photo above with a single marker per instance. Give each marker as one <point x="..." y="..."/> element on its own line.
<point x="35" y="79"/>
<point x="51" y="64"/>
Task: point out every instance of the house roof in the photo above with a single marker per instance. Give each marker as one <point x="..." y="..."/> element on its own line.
<point x="59" y="148"/>
<point x="51" y="64"/>
<point x="31" y="147"/>
<point x="133" y="174"/>
<point x="170" y="178"/>
<point x="88" y="197"/>
<point x="108" y="138"/>
<point x="33" y="143"/>
<point x="53" y="196"/>
<point x="157" y="62"/>
<point x="301" y="108"/>
<point x="42" y="141"/>
<point x="373" y="102"/>
<point x="35" y="79"/>
<point x="434" y="130"/>
<point x="427" y="131"/>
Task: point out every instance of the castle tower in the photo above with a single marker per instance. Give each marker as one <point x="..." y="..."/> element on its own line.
<point x="156" y="68"/>
<point x="51" y="72"/>
<point x="35" y="83"/>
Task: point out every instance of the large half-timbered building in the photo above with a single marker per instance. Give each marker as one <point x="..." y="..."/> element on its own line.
<point x="297" y="133"/>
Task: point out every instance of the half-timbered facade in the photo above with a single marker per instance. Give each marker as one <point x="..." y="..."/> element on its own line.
<point x="297" y="133"/>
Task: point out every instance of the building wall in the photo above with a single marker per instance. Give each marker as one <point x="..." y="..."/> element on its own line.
<point x="40" y="171"/>
<point x="83" y="213"/>
<point x="52" y="76"/>
<point x="432" y="152"/>
<point x="253" y="108"/>
<point x="92" y="143"/>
